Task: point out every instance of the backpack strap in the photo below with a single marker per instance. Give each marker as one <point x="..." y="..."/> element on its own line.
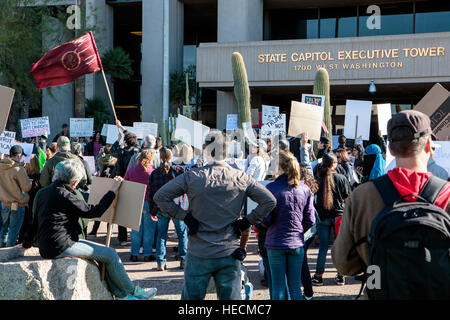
<point x="386" y="189"/>
<point x="432" y="189"/>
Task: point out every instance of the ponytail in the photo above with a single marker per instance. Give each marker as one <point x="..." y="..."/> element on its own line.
<point x="289" y="165"/>
<point x="165" y="155"/>
<point x="326" y="180"/>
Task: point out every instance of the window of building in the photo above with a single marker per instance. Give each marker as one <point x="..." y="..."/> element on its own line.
<point x="292" y="24"/>
<point x="394" y="19"/>
<point x="432" y="16"/>
<point x="338" y="22"/>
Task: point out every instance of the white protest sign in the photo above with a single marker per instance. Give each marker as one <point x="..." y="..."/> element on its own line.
<point x="390" y="159"/>
<point x="249" y="133"/>
<point x="104" y="130"/>
<point x="91" y="161"/>
<point x="112" y="133"/>
<point x="6" y="141"/>
<point x="313" y="99"/>
<point x="27" y="149"/>
<point x="145" y="128"/>
<point x="305" y="118"/>
<point x="361" y="110"/>
<point x="191" y="132"/>
<point x="442" y="155"/>
<point x="81" y="127"/>
<point x="269" y="112"/>
<point x="275" y="126"/>
<point x="34" y="127"/>
<point x="384" y="113"/>
<point x="232" y="122"/>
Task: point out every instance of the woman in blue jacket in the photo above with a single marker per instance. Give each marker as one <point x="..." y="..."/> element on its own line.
<point x="286" y="224"/>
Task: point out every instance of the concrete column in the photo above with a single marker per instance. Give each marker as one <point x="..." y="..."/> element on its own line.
<point x="57" y="102"/>
<point x="238" y="20"/>
<point x="153" y="52"/>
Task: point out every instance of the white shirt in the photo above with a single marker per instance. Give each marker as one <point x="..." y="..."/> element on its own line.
<point x="257" y="168"/>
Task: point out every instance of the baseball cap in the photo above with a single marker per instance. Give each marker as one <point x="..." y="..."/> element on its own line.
<point x="15" y="150"/>
<point x="63" y="143"/>
<point x="418" y="122"/>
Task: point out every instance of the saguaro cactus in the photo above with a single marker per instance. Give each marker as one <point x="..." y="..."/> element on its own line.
<point x="241" y="88"/>
<point x="322" y="87"/>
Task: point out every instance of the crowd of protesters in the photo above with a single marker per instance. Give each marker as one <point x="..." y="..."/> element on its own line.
<point x="312" y="191"/>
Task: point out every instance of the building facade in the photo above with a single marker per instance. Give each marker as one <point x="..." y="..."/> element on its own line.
<point x="403" y="47"/>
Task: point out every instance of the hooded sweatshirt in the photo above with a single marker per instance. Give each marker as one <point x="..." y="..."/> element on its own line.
<point x="14" y="183"/>
<point x="49" y="168"/>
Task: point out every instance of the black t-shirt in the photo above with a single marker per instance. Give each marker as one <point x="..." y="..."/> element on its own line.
<point x="341" y="191"/>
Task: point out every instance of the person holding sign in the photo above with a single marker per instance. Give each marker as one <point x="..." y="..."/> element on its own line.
<point x="64" y="132"/>
<point x="14" y="185"/>
<point x="56" y="229"/>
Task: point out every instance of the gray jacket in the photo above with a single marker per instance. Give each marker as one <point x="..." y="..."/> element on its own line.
<point x="216" y="193"/>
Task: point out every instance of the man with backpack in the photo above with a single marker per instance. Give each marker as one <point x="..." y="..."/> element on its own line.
<point x="402" y="241"/>
<point x="124" y="156"/>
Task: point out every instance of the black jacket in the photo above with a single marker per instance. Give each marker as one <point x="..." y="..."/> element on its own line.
<point x="55" y="223"/>
<point x="123" y="156"/>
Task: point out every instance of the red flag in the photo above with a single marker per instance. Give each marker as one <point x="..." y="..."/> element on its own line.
<point x="64" y="64"/>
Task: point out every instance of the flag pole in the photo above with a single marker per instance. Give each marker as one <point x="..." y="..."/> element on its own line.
<point x="109" y="94"/>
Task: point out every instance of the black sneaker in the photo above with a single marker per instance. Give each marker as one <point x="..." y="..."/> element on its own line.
<point x="317" y="280"/>
<point x="340" y="281"/>
<point x="133" y="258"/>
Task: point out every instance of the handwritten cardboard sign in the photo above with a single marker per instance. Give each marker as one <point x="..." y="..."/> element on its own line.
<point x="269" y="112"/>
<point x="143" y="129"/>
<point x="305" y="118"/>
<point x="81" y="127"/>
<point x="34" y="127"/>
<point x="6" y="99"/>
<point x="275" y="126"/>
<point x="130" y="201"/>
<point x="6" y="140"/>
<point x="232" y="122"/>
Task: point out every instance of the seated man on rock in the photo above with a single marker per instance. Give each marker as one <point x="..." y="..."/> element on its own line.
<point x="56" y="229"/>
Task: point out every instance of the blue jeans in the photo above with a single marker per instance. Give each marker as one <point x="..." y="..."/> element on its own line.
<point x="146" y="234"/>
<point x="323" y="231"/>
<point x="163" y="227"/>
<point x="11" y="224"/>
<point x="286" y="265"/>
<point x="225" y="271"/>
<point x="118" y="281"/>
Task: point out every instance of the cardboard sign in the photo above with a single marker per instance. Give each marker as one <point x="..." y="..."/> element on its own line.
<point x="314" y="99"/>
<point x="91" y="161"/>
<point x="6" y="99"/>
<point x="6" y="141"/>
<point x="130" y="202"/>
<point x="384" y="113"/>
<point x="362" y="110"/>
<point x="436" y="105"/>
<point x="232" y="122"/>
<point x="268" y="113"/>
<point x="81" y="127"/>
<point x="34" y="127"/>
<point x="191" y="132"/>
<point x="442" y="155"/>
<point x="305" y="118"/>
<point x="145" y="128"/>
<point x="27" y="148"/>
<point x="274" y="127"/>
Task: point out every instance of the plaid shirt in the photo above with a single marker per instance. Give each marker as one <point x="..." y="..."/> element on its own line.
<point x="157" y="180"/>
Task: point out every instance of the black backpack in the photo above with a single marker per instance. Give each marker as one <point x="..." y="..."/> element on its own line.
<point x="409" y="242"/>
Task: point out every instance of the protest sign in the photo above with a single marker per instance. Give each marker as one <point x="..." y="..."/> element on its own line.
<point x="442" y="155"/>
<point x="313" y="99"/>
<point x="34" y="127"/>
<point x="305" y="118"/>
<point x="335" y="141"/>
<point x="104" y="130"/>
<point x="81" y="127"/>
<point x="274" y="127"/>
<point x="384" y="113"/>
<point x="358" y="114"/>
<point x="6" y="141"/>
<point x="130" y="201"/>
<point x="436" y="105"/>
<point x="112" y="133"/>
<point x="191" y="132"/>
<point x="6" y="99"/>
<point x="27" y="149"/>
<point x="143" y="129"/>
<point x="268" y="113"/>
<point x="91" y="161"/>
<point x="232" y="122"/>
